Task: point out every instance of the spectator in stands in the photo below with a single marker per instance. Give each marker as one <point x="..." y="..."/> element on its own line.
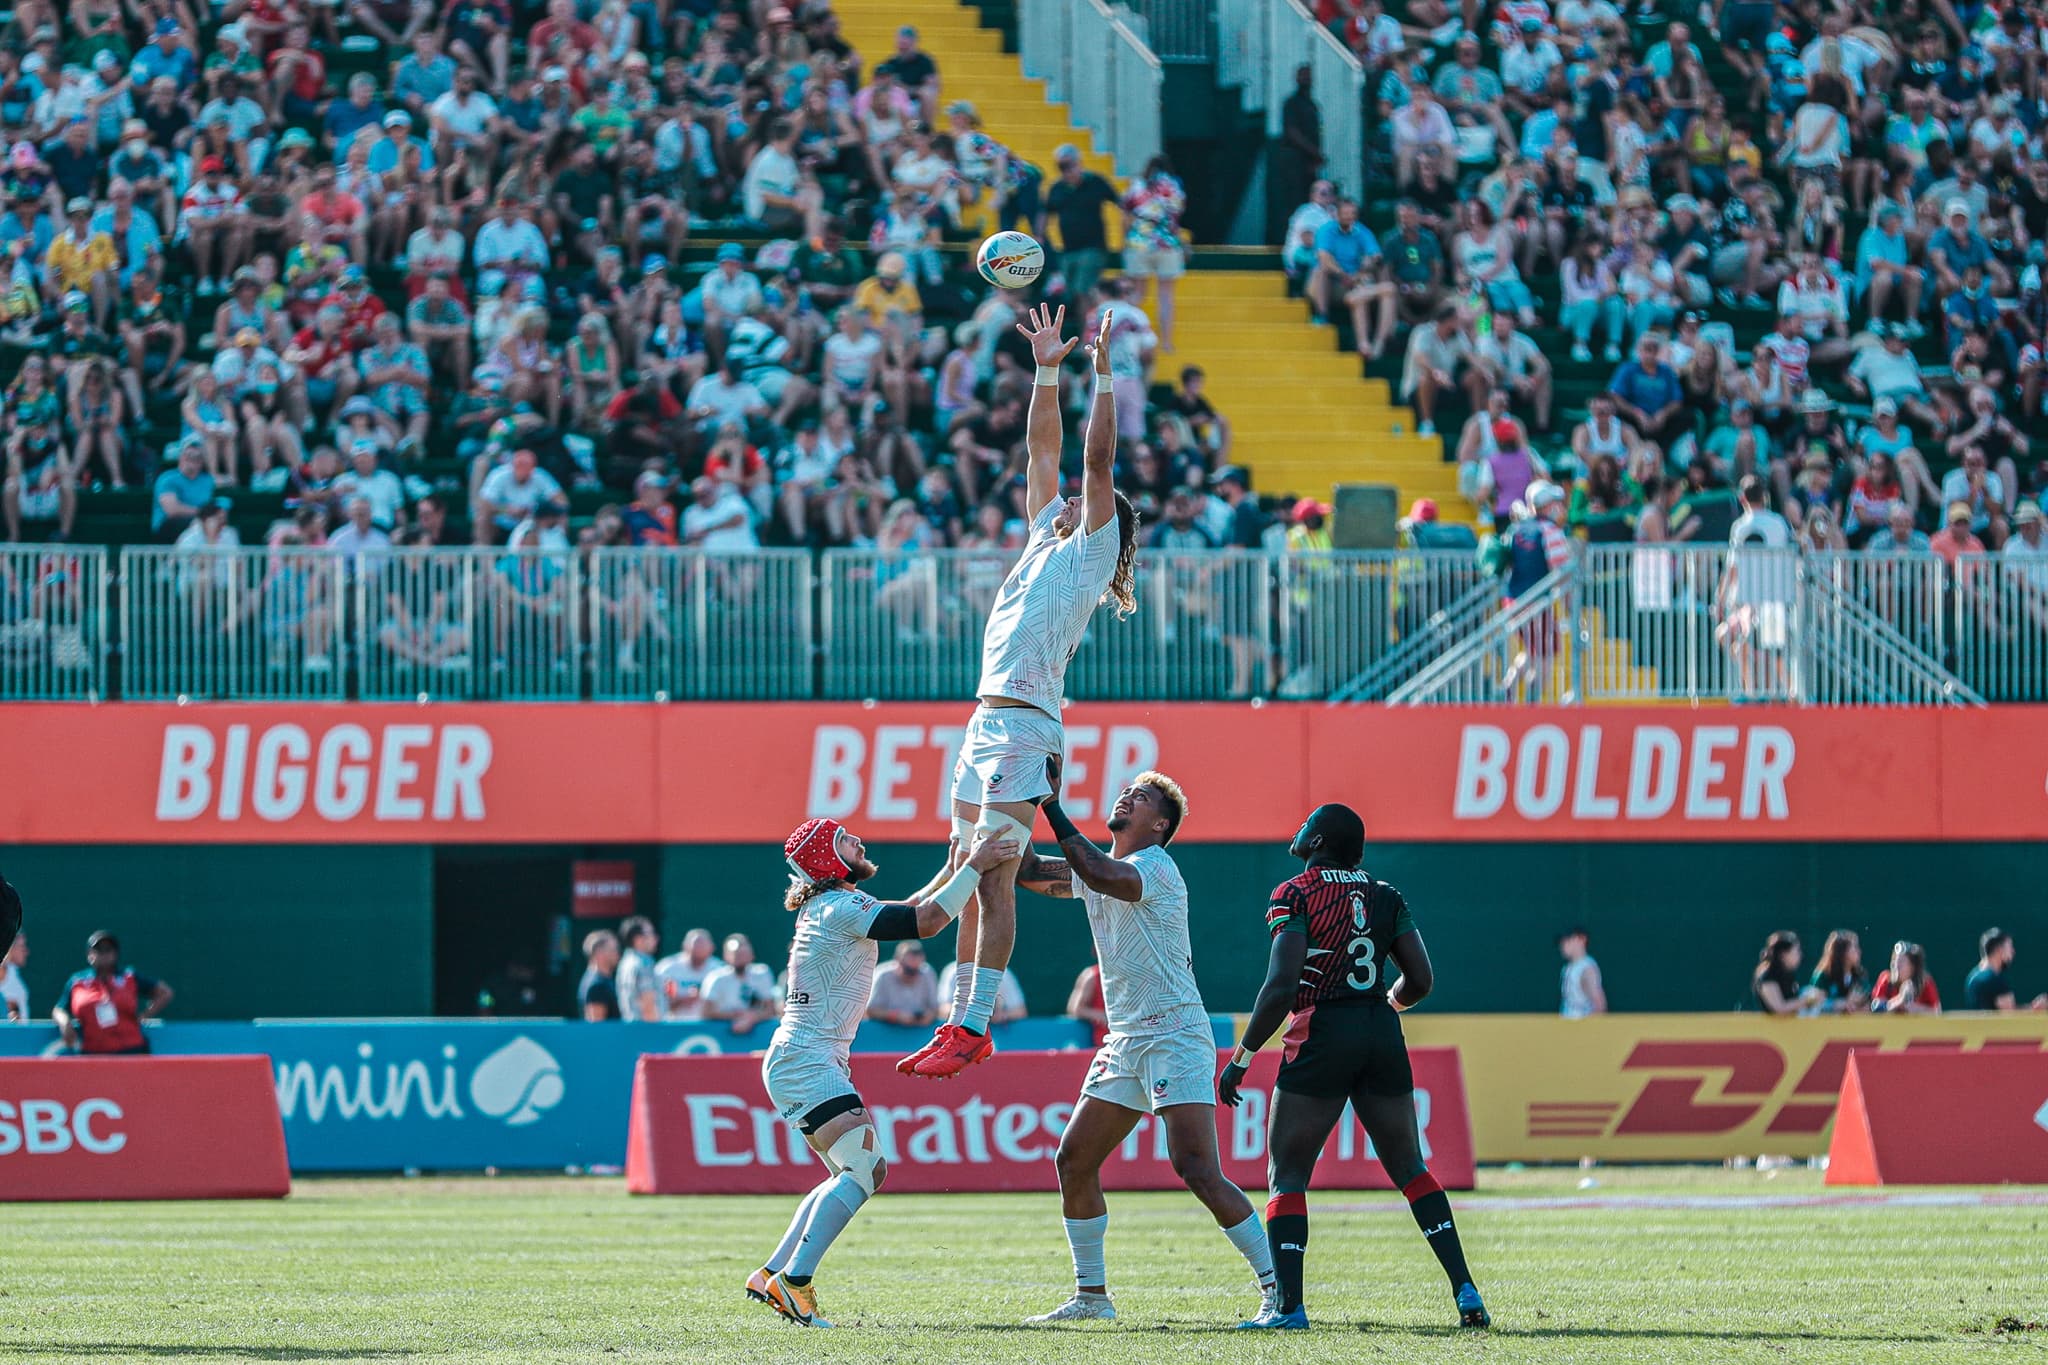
<point x="1085" y="1003"/>
<point x="1775" y="982"/>
<point x="1955" y="539"/>
<point x="1906" y="986"/>
<point x="14" y="986"/>
<point x="1009" y="994"/>
<point x="596" y="995"/>
<point x="1298" y="244"/>
<point x="1509" y="472"/>
<point x="1648" y="395"/>
<point x="638" y="987"/>
<point x="510" y="494"/>
<point x="1076" y="201"/>
<point x="1238" y="520"/>
<point x="906" y="990"/>
<point x="1348" y="266"/>
<point x="41" y="483"/>
<point x="1838" y="985"/>
<point x="915" y="71"/>
<point x="1152" y="207"/>
<point x="1581" y="993"/>
<point x="681" y="975"/>
<point x="180" y="492"/>
<point x="1439" y="359"/>
<point x="1898" y="535"/>
<point x="1513" y="361"/>
<point x="102" y="1009"/>
<point x="742" y="992"/>
<point x="1988" y="988"/>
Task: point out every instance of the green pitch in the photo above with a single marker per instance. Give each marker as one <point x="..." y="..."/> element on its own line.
<point x="1655" y="1265"/>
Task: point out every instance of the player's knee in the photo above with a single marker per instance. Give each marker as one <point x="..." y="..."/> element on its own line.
<point x="1198" y="1171"/>
<point x="880" y="1175"/>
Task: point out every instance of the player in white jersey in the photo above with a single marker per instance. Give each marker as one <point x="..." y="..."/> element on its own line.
<point x="1072" y="561"/>
<point x="806" y="1071"/>
<point x="1160" y="1056"/>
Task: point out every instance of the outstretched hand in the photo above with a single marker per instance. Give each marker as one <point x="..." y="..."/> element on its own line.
<point x="1227" y="1083"/>
<point x="993" y="853"/>
<point x="1053" y="766"/>
<point x="1098" y="350"/>
<point x="1044" y="334"/>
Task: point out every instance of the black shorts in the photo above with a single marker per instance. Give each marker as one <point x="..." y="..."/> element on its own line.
<point x="1341" y="1048"/>
<point x="824" y="1113"/>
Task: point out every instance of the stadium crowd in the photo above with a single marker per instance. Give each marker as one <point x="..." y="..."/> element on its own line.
<point x="1906" y="985"/>
<point x="453" y="262"/>
<point x="1645" y="254"/>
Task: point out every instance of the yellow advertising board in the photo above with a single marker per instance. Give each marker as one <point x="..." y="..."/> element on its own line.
<point x="1677" y="1087"/>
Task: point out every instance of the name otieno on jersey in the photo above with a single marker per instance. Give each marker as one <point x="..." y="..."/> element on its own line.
<point x="1351" y="919"/>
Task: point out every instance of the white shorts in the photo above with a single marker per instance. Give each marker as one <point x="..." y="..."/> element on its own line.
<point x="42" y="504"/>
<point x="800" y="1077"/>
<point x="1149" y="262"/>
<point x="1151" y="1072"/>
<point x="1002" y="756"/>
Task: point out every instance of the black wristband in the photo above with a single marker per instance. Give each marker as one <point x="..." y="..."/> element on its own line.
<point x="1062" y="828"/>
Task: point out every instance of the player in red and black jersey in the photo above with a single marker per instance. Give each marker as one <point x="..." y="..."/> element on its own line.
<point x="1339" y="937"/>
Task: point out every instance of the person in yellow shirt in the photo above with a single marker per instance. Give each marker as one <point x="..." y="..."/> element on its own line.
<point x="83" y="260"/>
<point x="887" y="291"/>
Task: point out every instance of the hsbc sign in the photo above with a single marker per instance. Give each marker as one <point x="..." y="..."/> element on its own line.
<point x="52" y="1127"/>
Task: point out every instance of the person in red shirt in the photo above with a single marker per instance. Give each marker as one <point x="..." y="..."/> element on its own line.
<point x="101" y="1011"/>
<point x="360" y="309"/>
<point x="561" y="23"/>
<point x="298" y="76"/>
<point x="1905" y="987"/>
<point x="651" y="518"/>
<point x="1084" y="1004"/>
<point x="340" y="214"/>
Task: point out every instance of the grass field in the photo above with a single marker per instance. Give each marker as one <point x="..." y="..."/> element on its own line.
<point x="1654" y="1265"/>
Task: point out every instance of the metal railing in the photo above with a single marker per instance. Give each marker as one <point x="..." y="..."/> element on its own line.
<point x="246" y="625"/>
<point x="1620" y="623"/>
<point x="682" y="624"/>
<point x="1094" y="58"/>
<point x="1999" y="620"/>
<point x="462" y="625"/>
<point x="1179" y="30"/>
<point x="1259" y="45"/>
<point x="53" y="612"/>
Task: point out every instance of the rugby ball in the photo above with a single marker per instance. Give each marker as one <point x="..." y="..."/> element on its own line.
<point x="1010" y="260"/>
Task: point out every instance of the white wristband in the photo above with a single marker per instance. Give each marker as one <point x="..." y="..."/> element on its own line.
<point x="1048" y="377"/>
<point x="1241" y="1057"/>
<point x="1103" y="385"/>
<point x="959" y="888"/>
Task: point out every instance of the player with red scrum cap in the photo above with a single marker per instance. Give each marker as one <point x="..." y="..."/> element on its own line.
<point x="839" y="929"/>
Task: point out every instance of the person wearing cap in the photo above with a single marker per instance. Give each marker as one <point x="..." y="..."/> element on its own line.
<point x="1890" y="373"/>
<point x="164" y="56"/>
<point x="889" y="292"/>
<point x="1977" y="486"/>
<point x="1076" y="200"/>
<point x="40" y="481"/>
<point x="101" y="1010"/>
<point x="1526" y="61"/>
<point x="1884" y="268"/>
<point x="81" y="259"/>
<point x="2027" y="546"/>
<point x="1510" y="469"/>
<point x="1813" y="296"/>
<point x="1534" y="548"/>
<point x="1955" y="538"/>
<point x="210" y="224"/>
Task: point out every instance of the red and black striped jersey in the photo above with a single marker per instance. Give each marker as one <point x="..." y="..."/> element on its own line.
<point x="1351" y="920"/>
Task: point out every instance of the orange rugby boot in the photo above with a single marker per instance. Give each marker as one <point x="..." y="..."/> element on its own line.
<point x="956" y="1051"/>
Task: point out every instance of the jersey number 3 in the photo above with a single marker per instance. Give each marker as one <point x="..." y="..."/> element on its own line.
<point x="1365" y="971"/>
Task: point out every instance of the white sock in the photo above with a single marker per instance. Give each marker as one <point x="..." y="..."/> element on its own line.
<point x="981" y="998"/>
<point x="963" y="985"/>
<point x="838" y="1200"/>
<point x="1084" y="1236"/>
<point x="1250" y="1240"/>
<point x="787" y="1245"/>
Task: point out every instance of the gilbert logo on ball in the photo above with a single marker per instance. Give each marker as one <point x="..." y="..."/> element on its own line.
<point x="1010" y="260"/>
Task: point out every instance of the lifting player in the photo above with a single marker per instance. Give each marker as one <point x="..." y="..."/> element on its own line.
<point x="1072" y="560"/>
<point x="1160" y="1056"/>
<point x="1336" y="932"/>
<point x="839" y="928"/>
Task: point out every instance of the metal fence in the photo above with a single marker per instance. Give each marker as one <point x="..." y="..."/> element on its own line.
<point x="1622" y="623"/>
<point x="1179" y="30"/>
<point x="247" y="625"/>
<point x="53" y="611"/>
<point x="1094" y="58"/>
<point x="1259" y="45"/>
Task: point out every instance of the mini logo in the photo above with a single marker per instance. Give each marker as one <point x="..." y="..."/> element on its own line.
<point x="517" y="1083"/>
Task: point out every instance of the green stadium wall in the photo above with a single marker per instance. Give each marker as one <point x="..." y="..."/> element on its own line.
<point x="314" y="931"/>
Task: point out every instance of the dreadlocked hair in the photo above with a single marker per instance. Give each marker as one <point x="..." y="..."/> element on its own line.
<point x="1123" y="584"/>
<point x="802" y="891"/>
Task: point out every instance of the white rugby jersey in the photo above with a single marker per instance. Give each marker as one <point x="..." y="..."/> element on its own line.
<point x="1148" y="969"/>
<point x="1042" y="610"/>
<point x="831" y="971"/>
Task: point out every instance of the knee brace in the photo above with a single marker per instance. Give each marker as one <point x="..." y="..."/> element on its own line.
<point x="856" y="1155"/>
<point x="993" y="824"/>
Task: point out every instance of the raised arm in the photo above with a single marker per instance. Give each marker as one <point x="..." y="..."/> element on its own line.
<point x="1047" y="876"/>
<point x="1043" y="430"/>
<point x="1098" y="450"/>
<point x="1098" y="871"/>
<point x="925" y="915"/>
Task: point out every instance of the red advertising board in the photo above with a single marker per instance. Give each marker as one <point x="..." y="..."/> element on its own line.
<point x="704" y="1125"/>
<point x="1942" y="1118"/>
<point x="749" y="772"/>
<point x="600" y="890"/>
<point x="140" y="1128"/>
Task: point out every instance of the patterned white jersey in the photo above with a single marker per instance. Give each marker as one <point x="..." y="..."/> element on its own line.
<point x="831" y="971"/>
<point x="1042" y="611"/>
<point x="1148" y="969"/>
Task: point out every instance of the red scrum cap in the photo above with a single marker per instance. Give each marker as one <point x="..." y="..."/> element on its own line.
<point x="813" y="851"/>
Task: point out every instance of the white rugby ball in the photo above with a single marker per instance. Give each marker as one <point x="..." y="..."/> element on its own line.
<point x="1010" y="260"/>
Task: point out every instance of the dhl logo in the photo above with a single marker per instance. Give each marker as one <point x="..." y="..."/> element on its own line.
<point x="1752" y="1075"/>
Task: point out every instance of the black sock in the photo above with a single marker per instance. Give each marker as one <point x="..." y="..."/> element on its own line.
<point x="1287" y="1237"/>
<point x="1432" y="1210"/>
<point x="798" y="1280"/>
